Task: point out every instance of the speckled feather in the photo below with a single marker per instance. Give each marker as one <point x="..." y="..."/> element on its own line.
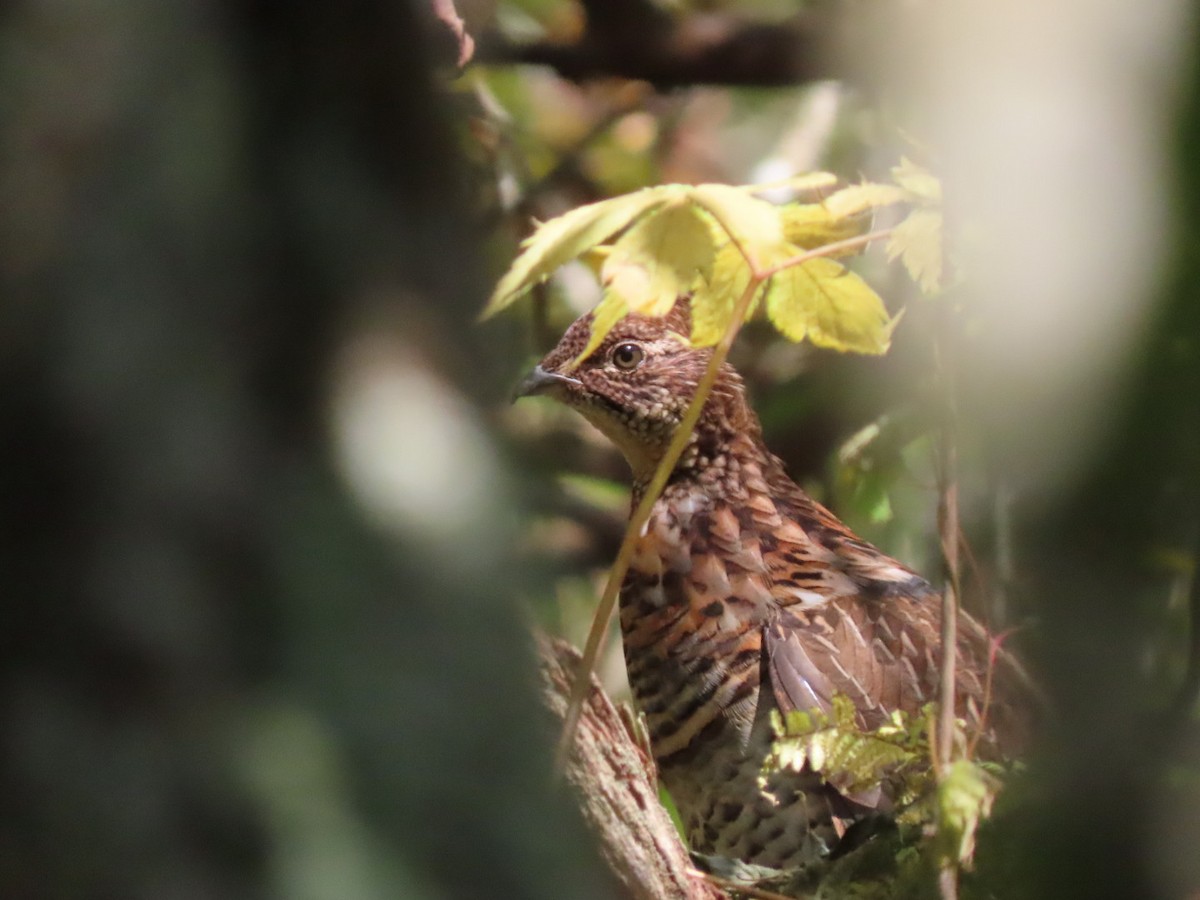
<point x="745" y="595"/>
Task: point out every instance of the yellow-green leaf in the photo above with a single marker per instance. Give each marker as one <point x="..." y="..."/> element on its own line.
<point x="858" y="198"/>
<point x="608" y="312"/>
<point x="831" y="306"/>
<point x="917" y="241"/>
<point x="918" y="181"/>
<point x="801" y="184"/>
<point x="965" y="797"/>
<point x="659" y="258"/>
<point x="812" y="225"/>
<point x="751" y="223"/>
<point x="565" y="237"/>
<point x="834" y="745"/>
<point x="594" y="258"/>
<point x="714" y="299"/>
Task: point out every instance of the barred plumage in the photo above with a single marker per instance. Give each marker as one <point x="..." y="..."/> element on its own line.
<point x="744" y="596"/>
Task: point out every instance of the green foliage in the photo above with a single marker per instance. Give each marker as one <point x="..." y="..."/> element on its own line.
<point x="717" y="242"/>
<point x="917" y="241"/>
<point x="812" y="225"/>
<point x="860" y="198"/>
<point x="824" y="301"/>
<point x="896" y="755"/>
<point x="714" y="301"/>
<point x="659" y="258"/>
<point x="965" y="795"/>
<point x="833" y="745"/>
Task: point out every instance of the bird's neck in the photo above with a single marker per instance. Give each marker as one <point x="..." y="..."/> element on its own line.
<point x="718" y="463"/>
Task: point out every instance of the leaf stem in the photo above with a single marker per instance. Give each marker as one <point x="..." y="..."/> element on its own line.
<point x="948" y="527"/>
<point x="850" y="243"/>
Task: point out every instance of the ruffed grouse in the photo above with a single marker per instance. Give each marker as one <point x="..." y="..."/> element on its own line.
<point x="744" y="596"/>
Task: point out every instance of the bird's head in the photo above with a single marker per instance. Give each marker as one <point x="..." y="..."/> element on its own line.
<point x="636" y="386"/>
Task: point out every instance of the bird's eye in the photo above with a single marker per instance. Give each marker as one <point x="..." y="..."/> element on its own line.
<point x="627" y="356"/>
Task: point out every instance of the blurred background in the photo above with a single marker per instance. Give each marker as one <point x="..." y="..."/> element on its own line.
<point x="272" y="538"/>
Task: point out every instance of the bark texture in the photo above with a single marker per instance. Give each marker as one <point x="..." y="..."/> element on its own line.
<point x="616" y="783"/>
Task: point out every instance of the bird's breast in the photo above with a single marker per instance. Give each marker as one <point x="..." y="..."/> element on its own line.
<point x="693" y="606"/>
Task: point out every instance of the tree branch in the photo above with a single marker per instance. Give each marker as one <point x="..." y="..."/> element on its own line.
<point x="616" y="782"/>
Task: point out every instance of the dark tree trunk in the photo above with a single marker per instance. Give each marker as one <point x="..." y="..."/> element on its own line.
<point x="216" y="678"/>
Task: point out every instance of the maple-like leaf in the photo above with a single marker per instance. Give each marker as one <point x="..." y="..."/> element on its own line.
<point x="753" y="224"/>
<point x="812" y="225"/>
<point x="923" y="185"/>
<point x="859" y="198"/>
<point x="830" y="305"/>
<point x="806" y="183"/>
<point x="710" y="241"/>
<point x="917" y="242"/>
<point x="714" y="298"/>
<point x="565" y="237"/>
<point x="659" y="258"/>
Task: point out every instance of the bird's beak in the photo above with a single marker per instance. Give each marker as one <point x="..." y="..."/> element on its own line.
<point x="540" y="381"/>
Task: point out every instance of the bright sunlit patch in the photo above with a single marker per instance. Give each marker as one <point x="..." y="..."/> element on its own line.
<point x="1061" y="176"/>
<point x="409" y="446"/>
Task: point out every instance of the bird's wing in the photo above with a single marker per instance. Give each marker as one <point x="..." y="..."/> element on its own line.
<point x="852" y="621"/>
<point x="776" y="580"/>
<point x="875" y="645"/>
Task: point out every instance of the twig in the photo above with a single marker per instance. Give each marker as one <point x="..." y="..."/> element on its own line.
<point x="994" y="646"/>
<point x="738" y="887"/>
<point x="1189" y="688"/>
<point x="850" y="243"/>
<point x="1002" y="585"/>
<point x="948" y="882"/>
<point x="948" y="528"/>
<point x="444" y="10"/>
